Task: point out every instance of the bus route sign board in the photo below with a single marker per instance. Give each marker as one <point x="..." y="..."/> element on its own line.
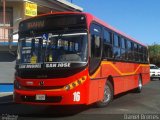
<point x="30" y="9"/>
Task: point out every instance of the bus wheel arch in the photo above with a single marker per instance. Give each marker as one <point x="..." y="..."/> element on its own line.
<point x="110" y="79"/>
<point x="108" y="93"/>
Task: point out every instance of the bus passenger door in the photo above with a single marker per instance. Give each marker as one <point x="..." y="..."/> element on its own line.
<point x="95" y="61"/>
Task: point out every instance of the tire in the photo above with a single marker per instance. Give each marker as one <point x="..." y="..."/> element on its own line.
<point x="108" y="95"/>
<point x="140" y="85"/>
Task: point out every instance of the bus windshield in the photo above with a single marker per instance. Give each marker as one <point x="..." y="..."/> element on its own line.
<point x="53" y="47"/>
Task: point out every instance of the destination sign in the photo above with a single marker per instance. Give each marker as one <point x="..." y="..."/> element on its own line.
<point x="47" y="65"/>
<point x="59" y="65"/>
<point x="53" y="22"/>
<point x="30" y="66"/>
<point x="51" y="65"/>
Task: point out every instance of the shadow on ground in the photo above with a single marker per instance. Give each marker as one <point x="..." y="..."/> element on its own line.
<point x="11" y="108"/>
<point x="38" y="111"/>
<point x="5" y="56"/>
<point x="6" y="99"/>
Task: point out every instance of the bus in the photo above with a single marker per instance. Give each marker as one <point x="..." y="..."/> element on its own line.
<point x="71" y="58"/>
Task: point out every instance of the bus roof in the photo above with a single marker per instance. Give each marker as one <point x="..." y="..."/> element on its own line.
<point x="91" y="18"/>
<point x="113" y="29"/>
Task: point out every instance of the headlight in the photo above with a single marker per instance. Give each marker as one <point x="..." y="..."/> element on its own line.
<point x="17" y="85"/>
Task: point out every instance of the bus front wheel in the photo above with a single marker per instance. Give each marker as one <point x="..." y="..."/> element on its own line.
<point x="108" y="95"/>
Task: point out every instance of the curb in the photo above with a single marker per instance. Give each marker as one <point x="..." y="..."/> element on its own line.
<point x="5" y="93"/>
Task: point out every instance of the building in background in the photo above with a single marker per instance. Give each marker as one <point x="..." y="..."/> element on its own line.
<point x="14" y="11"/>
<point x="11" y="13"/>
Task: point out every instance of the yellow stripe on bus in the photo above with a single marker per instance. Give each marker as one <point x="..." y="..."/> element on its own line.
<point x="121" y="73"/>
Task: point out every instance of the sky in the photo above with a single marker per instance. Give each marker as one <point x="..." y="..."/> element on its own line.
<point x="139" y="19"/>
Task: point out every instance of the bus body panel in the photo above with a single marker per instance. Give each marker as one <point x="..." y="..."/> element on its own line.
<point x="124" y="75"/>
<point x="96" y="88"/>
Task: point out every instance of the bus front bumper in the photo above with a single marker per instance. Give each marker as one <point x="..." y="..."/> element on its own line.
<point x="75" y="96"/>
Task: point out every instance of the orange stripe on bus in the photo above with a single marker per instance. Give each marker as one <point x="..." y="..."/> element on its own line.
<point x="121" y="73"/>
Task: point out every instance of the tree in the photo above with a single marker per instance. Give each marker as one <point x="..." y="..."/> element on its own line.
<point x="154" y="54"/>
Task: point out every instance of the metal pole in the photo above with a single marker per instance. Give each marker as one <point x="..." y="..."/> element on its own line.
<point x="4" y="16"/>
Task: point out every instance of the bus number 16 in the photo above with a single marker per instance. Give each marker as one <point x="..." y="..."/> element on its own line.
<point x="76" y="96"/>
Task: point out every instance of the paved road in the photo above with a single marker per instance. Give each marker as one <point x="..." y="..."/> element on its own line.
<point x="147" y="102"/>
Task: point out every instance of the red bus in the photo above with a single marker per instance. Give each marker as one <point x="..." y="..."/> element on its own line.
<point x="70" y="58"/>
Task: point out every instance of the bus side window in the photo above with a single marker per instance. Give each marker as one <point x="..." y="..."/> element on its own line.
<point x="95" y="32"/>
<point x="107" y="46"/>
<point x="123" y="49"/>
<point x="130" y="50"/>
<point x="116" y="47"/>
<point x="140" y="52"/>
<point x="136" y="56"/>
<point x="145" y="57"/>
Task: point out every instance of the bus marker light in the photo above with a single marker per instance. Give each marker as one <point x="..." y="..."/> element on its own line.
<point x="74" y="84"/>
<point x="67" y="87"/>
<point x="84" y="78"/>
<point x="79" y="81"/>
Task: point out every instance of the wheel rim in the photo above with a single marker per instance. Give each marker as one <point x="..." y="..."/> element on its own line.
<point x="140" y="84"/>
<point x="107" y="94"/>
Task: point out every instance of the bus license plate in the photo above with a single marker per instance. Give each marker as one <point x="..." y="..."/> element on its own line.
<point x="40" y="97"/>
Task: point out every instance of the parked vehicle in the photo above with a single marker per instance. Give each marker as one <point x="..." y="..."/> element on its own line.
<point x="154" y="71"/>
